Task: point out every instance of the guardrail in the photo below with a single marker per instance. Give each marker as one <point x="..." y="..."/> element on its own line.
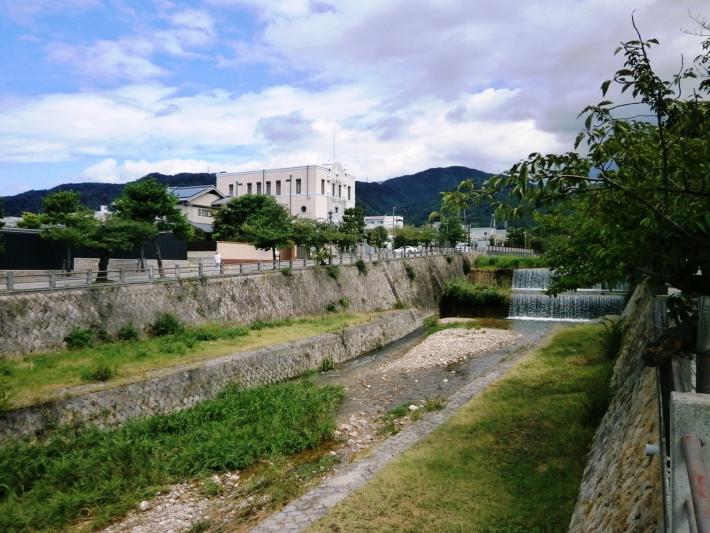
<point x="11" y="281"/>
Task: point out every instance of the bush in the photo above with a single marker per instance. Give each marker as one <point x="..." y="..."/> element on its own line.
<point x="612" y="337"/>
<point x="165" y="324"/>
<point x="509" y="261"/>
<point x="331" y="307"/>
<point x="287" y="272"/>
<point x="344" y="302"/>
<point x="128" y="332"/>
<point x="326" y="365"/>
<point x="100" y="372"/>
<point x="361" y="267"/>
<point x="466" y="265"/>
<point x="78" y="338"/>
<point x="466" y="299"/>
<point x="449" y="259"/>
<point x="410" y="272"/>
<point x="333" y="271"/>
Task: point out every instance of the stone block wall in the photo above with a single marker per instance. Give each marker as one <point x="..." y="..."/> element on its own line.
<point x="39" y="321"/>
<point x="176" y="388"/>
<point x="621" y="487"/>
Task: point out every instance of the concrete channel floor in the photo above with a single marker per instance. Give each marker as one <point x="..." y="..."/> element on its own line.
<point x="301" y="513"/>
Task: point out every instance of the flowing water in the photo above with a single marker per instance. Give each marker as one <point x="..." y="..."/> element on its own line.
<point x="528" y="300"/>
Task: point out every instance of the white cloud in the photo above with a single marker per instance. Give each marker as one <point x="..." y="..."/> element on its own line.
<point x="111" y="171"/>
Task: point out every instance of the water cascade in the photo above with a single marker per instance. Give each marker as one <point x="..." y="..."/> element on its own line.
<point x="529" y="301"/>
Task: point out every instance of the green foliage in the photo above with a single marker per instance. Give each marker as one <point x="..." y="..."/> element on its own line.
<point x="377" y="237"/>
<point x="257" y="219"/>
<point x="100" y="372"/>
<point x="78" y="338"/>
<point x="165" y="324"/>
<point x="332" y="307"/>
<point x="332" y="271"/>
<point x="352" y="227"/>
<point x="413" y="236"/>
<point x="287" y="272"/>
<point x="449" y="259"/>
<point x="102" y="474"/>
<point x="466" y="265"/>
<point x="200" y="526"/>
<point x="451" y="231"/>
<point x="509" y="261"/>
<point x="411" y="274"/>
<point x="344" y="302"/>
<point x="637" y="182"/>
<point x="613" y="337"/>
<point x="211" y="488"/>
<point x="361" y="267"/>
<point x="434" y="404"/>
<point x="466" y="299"/>
<point x="326" y="365"/>
<point x="128" y="332"/>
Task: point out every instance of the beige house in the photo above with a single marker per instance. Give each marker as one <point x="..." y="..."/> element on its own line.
<point x="320" y="192"/>
<point x="198" y="204"/>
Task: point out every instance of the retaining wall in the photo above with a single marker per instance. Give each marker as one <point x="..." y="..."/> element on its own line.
<point x="39" y="321"/>
<point x="621" y="487"/>
<point x="177" y="388"/>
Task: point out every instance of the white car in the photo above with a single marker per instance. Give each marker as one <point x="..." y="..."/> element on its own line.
<point x="406" y="250"/>
<point x="463" y="247"/>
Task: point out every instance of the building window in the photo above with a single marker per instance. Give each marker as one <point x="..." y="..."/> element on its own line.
<point x="322" y="186"/>
<point x="303" y="209"/>
<point x="248" y="188"/>
<point x="298" y="186"/>
<point x="348" y="192"/>
<point x="268" y="187"/>
<point x="258" y="188"/>
<point x="278" y="187"/>
<point x="336" y="209"/>
<point x="340" y="191"/>
<point x="204" y="212"/>
<point x="231" y="189"/>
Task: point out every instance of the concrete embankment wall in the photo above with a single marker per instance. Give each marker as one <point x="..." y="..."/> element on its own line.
<point x="176" y="388"/>
<point x="39" y="321"/>
<point x="621" y="487"/>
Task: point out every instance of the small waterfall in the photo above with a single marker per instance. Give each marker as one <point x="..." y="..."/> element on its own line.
<point x="529" y="301"/>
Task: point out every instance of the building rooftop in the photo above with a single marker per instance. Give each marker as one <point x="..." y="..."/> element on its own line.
<point x="185" y="193"/>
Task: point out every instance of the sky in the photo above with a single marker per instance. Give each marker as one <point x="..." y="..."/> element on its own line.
<point x="110" y="90"/>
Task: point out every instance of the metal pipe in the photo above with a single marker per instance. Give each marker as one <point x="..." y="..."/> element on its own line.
<point x="698" y="479"/>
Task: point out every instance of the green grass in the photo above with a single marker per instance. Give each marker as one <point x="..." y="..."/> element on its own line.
<point x="508" y="261"/>
<point x="433" y="325"/>
<point x="510" y="461"/>
<point x="99" y="475"/>
<point x="40" y="377"/>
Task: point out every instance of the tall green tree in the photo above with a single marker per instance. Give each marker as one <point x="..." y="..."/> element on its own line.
<point x="353" y="224"/>
<point x="377" y="236"/>
<point x="149" y="201"/>
<point x="634" y="197"/>
<point x="116" y="234"/>
<point x="256" y="219"/>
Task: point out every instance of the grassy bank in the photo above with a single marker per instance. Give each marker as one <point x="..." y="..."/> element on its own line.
<point x="510" y="461"/>
<point x="38" y="377"/>
<point x="101" y="474"/>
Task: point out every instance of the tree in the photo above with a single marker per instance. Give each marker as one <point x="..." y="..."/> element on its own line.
<point x="635" y="200"/>
<point x="149" y="201"/>
<point x="116" y="234"/>
<point x="256" y="219"/>
<point x="376" y="237"/>
<point x="353" y="225"/>
<point x="315" y="236"/>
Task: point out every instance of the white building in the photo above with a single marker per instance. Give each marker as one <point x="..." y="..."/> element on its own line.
<point x="320" y="192"/>
<point x="389" y="222"/>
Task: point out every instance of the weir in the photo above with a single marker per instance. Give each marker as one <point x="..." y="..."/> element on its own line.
<point x="528" y="300"/>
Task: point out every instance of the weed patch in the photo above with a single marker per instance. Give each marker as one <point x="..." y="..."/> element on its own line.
<point x="287" y="272"/>
<point x="326" y="365"/>
<point x="332" y="271"/>
<point x="165" y="324"/>
<point x="78" y="338"/>
<point x="508" y="261"/>
<point x="466" y="299"/>
<point x="411" y="274"/>
<point x="361" y="267"/>
<point x="128" y="332"/>
<point x="102" y="474"/>
<point x="99" y="372"/>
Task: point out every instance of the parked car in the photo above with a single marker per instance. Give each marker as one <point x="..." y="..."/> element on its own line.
<point x="406" y="251"/>
<point x="463" y="247"/>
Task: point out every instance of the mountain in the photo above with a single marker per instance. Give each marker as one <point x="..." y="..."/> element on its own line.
<point x="414" y="196"/>
<point x="94" y="195"/>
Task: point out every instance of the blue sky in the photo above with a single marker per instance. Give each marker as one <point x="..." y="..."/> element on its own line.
<point x="109" y="90"/>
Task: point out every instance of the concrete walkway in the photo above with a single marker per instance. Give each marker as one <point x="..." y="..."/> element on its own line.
<point x="303" y="512"/>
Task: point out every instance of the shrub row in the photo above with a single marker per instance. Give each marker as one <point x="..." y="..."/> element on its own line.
<point x="466" y="299"/>
<point x="508" y="261"/>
